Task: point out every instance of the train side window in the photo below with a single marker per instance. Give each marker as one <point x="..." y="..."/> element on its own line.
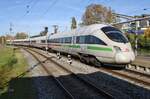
<point x="53" y="40"/>
<point x="94" y="40"/>
<point x="68" y="40"/>
<point x="80" y="39"/>
<point x="57" y="40"/>
<point x="33" y="41"/>
<point x="42" y="41"/>
<point x="77" y="39"/>
<point x="49" y="40"/>
<point x="61" y="40"/>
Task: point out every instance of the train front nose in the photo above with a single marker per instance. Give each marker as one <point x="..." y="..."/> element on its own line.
<point x="124" y="56"/>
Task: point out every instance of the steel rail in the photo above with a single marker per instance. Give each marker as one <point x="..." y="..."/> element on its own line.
<point x="102" y="92"/>
<point x="126" y="76"/>
<point x="48" y="72"/>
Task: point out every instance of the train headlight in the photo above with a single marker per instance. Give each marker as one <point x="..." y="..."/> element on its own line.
<point x="117" y="49"/>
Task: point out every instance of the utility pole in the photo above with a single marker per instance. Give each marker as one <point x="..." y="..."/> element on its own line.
<point x="3" y="40"/>
<point x="10" y="31"/>
<point x="55" y="28"/>
<point x="136" y="36"/>
<point x="147" y="23"/>
<point x="46" y="41"/>
<point x="10" y="28"/>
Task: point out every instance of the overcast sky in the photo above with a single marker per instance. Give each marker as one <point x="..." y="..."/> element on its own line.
<point x="32" y="15"/>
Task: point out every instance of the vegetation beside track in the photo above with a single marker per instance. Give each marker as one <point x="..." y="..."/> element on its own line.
<point x="12" y="64"/>
<point x="143" y="44"/>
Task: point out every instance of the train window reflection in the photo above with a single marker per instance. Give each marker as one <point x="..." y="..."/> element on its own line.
<point x="115" y="34"/>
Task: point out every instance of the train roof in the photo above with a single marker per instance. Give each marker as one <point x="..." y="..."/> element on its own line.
<point x="85" y="30"/>
<point x="38" y="38"/>
<point x="35" y="38"/>
<point x="21" y="39"/>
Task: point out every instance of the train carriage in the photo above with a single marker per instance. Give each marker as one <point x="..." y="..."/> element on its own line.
<point x="97" y="42"/>
<point x="103" y="42"/>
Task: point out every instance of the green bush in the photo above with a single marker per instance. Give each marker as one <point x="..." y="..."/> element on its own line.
<point x="12" y="61"/>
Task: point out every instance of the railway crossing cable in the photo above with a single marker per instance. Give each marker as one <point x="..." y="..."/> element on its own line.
<point x="48" y="72"/>
<point x="104" y="93"/>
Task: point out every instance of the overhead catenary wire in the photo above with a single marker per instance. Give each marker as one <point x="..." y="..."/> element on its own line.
<point x="142" y="9"/>
<point x="30" y="7"/>
<point x="47" y="10"/>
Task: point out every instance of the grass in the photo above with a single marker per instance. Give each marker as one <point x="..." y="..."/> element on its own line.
<point x="12" y="64"/>
<point x="5" y="56"/>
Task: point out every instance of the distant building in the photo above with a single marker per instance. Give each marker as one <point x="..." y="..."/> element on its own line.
<point x="132" y="26"/>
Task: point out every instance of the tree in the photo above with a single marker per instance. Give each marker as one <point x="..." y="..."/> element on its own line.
<point x="21" y="35"/>
<point x="73" y="23"/>
<point x="96" y="13"/>
<point x="146" y="34"/>
<point x="2" y="40"/>
<point x="9" y="37"/>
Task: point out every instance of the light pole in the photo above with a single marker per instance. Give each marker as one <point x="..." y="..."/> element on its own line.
<point x="46" y="43"/>
<point x="136" y="37"/>
<point x="10" y="30"/>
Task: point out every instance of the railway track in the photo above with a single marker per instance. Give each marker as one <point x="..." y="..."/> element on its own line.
<point x="139" y="68"/>
<point x="55" y="79"/>
<point x="130" y="75"/>
<point x="71" y="95"/>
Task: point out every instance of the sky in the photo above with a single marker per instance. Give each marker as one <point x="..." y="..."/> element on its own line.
<point x="33" y="15"/>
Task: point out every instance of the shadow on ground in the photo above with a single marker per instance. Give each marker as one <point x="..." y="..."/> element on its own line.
<point x="44" y="87"/>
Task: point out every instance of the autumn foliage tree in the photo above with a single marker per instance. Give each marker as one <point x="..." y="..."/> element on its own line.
<point x="21" y="35"/>
<point x="9" y="37"/>
<point x="2" y="39"/>
<point x="146" y="34"/>
<point x="96" y="13"/>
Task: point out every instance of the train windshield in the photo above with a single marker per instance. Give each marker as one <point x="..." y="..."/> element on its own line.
<point x="115" y="34"/>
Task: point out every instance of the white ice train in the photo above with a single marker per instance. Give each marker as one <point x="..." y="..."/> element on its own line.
<point x="93" y="43"/>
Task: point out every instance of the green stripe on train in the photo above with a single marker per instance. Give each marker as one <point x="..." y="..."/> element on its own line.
<point x="90" y="47"/>
<point x="98" y="48"/>
<point x="73" y="46"/>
